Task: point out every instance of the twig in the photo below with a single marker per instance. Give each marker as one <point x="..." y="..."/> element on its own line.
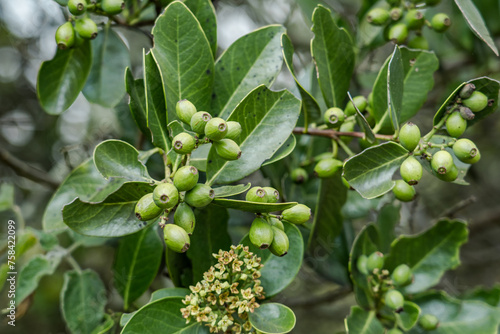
<point x="334" y="134"/>
<point x="450" y="213"/>
<point x="29" y="172"/>
<point x="322" y="299"/>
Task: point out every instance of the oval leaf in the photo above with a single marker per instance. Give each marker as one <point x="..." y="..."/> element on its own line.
<point x="395" y="87"/>
<point x="137" y="102"/>
<point x="285" y="150"/>
<point x="272" y="318"/>
<point x="409" y="316"/>
<point x="363" y="322"/>
<point x="205" y="13"/>
<point x="228" y="191"/>
<point x="252" y="206"/>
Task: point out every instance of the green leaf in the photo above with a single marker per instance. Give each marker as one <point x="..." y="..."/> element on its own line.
<point x="395" y="86"/>
<point x="254" y="59"/>
<point x="409" y="316"/>
<point x="33" y="271"/>
<point x="162" y="316"/>
<point x="370" y="172"/>
<point x="265" y="117"/>
<point x="205" y="13"/>
<point x="458" y="317"/>
<point x="137" y="102"/>
<point x="110" y="57"/>
<point x="476" y="22"/>
<point x="83" y="298"/>
<point x="363" y="322"/>
<point x="362" y="122"/>
<point x="279" y="272"/>
<point x="387" y="219"/>
<point x="228" y="191"/>
<point x="136" y="263"/>
<point x="488" y="296"/>
<point x="285" y="150"/>
<point x="6" y="196"/>
<point x="111" y="217"/>
<point x="184" y="57"/>
<point x="272" y="318"/>
<point x="179" y="268"/>
<point x="157" y="118"/>
<point x="62" y="78"/>
<point x="116" y="158"/>
<point x="106" y="326"/>
<point x="252" y="206"/>
<point x="199" y="157"/>
<point x="428" y="254"/>
<point x="310" y="108"/>
<point x="209" y="236"/>
<point x="333" y="52"/>
<point x="327" y="227"/>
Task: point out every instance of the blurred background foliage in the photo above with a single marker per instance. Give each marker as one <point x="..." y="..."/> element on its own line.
<point x="37" y="150"/>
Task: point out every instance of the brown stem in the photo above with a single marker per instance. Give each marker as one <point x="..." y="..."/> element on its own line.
<point x="334" y="134"/>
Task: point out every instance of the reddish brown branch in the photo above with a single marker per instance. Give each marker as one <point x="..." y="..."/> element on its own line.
<point x="334" y="134"/>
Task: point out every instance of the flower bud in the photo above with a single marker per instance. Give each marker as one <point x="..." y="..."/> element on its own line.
<point x="334" y="117"/>
<point x="402" y="275"/>
<point x="184" y="217"/>
<point x="409" y="136"/>
<point x="414" y="19"/>
<point x="185" y="110"/>
<point x="261" y="233"/>
<point x="233" y="130"/>
<point x="411" y="170"/>
<point x="183" y="143"/>
<point x="327" y="167"/>
<point x="280" y="244"/>
<point x="201" y="195"/>
<point x="299" y="175"/>
<point x="476" y="102"/>
<point x="227" y="149"/>
<point x="359" y="101"/>
<point x="276" y="223"/>
<point x="428" y="322"/>
<point x="112" y="7"/>
<point x="176" y="238"/>
<point x="297" y="214"/>
<point x="403" y="191"/>
<point x="216" y="129"/>
<point x="186" y="178"/>
<point x="86" y="28"/>
<point x="467" y="90"/>
<point x="166" y="195"/>
<point x="441" y="162"/>
<point x="466" y="113"/>
<point x="65" y="36"/>
<point x="466" y="151"/>
<point x="375" y="261"/>
<point x="398" y="33"/>
<point x="272" y="195"/>
<point x="146" y="209"/>
<point x="394" y="299"/>
<point x="256" y="194"/>
<point x="440" y="22"/>
<point x="378" y="16"/>
<point x="77" y="7"/>
<point x="418" y="42"/>
<point x="456" y="124"/>
<point x="199" y="121"/>
<point x="396" y="13"/>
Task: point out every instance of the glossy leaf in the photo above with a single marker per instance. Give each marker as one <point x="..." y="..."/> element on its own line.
<point x="370" y="172"/>
<point x="362" y="122"/>
<point x="136" y="263"/>
<point x="252" y="206"/>
<point x="429" y="254"/>
<point x="285" y="150"/>
<point x="83" y="298"/>
<point x="409" y="316"/>
<point x="112" y="217"/>
<point x="137" y="102"/>
<point x="476" y="22"/>
<point x="62" y="78"/>
<point x="264" y="115"/>
<point x="186" y="74"/>
<point x="84" y="182"/>
<point x="106" y="326"/>
<point x="272" y="318"/>
<point x="205" y="13"/>
<point x="179" y="268"/>
<point x="387" y="219"/>
<point x="199" y="157"/>
<point x="363" y="322"/>
<point x="488" y="296"/>
<point x="279" y="272"/>
<point x="333" y="52"/>
<point x="228" y="191"/>
<point x="116" y="158"/>
<point x="254" y="59"/>
<point x="110" y="57"/>
<point x="209" y="236"/>
<point x="395" y="87"/>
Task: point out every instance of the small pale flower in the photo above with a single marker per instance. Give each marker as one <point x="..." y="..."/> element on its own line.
<point x="247" y="293"/>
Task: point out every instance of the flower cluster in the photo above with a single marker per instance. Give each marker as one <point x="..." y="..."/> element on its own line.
<point x="227" y="293"/>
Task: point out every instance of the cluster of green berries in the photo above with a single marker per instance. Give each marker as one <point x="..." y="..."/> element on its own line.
<point x="384" y="286"/>
<point x="181" y="194"/>
<point x="267" y="231"/>
<point x="222" y="134"/>
<point x="228" y="292"/>
<point x="403" y="17"/>
<point x="75" y="31"/>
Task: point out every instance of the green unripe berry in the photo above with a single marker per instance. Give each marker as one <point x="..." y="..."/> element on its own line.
<point x="233" y="130"/>
<point x="476" y="102"/>
<point x="186" y="178"/>
<point x="467" y="91"/>
<point x="403" y="191"/>
<point x="77" y="7"/>
<point x="201" y="195"/>
<point x="450" y="176"/>
<point x="361" y="264"/>
<point x="86" y="28"/>
<point x="299" y="175"/>
<point x="166" y="195"/>
<point x="327" y="167"/>
<point x="183" y="143"/>
<point x="112" y="7"/>
<point x="378" y="16"/>
<point x="65" y="36"/>
<point x="440" y="22"/>
<point x="146" y="209"/>
<point x="411" y="170"/>
<point x="402" y="275"/>
<point x="185" y="110"/>
<point x="414" y="19"/>
<point x="375" y="261"/>
<point x="297" y="214"/>
<point x="418" y="42"/>
<point x="409" y="136"/>
<point x="227" y="149"/>
<point x="334" y="117"/>
<point x="441" y="162"/>
<point x="398" y="33"/>
<point x="261" y="233"/>
<point x="456" y="125"/>
<point x="275" y="222"/>
<point x="466" y="151"/>
<point x="428" y="322"/>
<point x="272" y="195"/>
<point x="199" y="120"/>
<point x="280" y="244"/>
<point x="184" y="217"/>
<point x="396" y="13"/>
<point x="216" y="129"/>
<point x="256" y="194"/>
<point x="176" y="238"/>
<point x="346" y="127"/>
<point x="394" y="299"/>
<point x="394" y="331"/>
<point x="359" y="101"/>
